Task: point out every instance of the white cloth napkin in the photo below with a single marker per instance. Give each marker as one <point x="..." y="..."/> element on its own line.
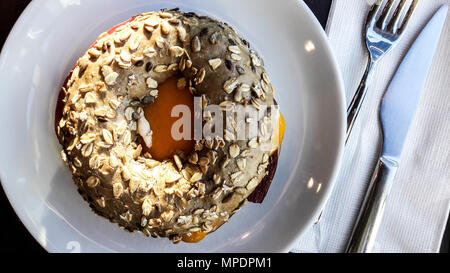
<point x="418" y="205"/>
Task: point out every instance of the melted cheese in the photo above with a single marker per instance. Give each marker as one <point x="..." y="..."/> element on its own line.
<point x="159" y="116"/>
<point x="278" y="135"/>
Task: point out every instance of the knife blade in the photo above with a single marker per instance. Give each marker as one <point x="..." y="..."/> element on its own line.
<point x="402" y="96"/>
<point x="397" y="111"/>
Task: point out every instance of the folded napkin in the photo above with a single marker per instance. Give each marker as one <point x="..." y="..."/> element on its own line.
<point x="418" y="205"/>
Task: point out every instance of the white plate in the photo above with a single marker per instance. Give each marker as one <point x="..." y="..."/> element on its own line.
<point x="45" y="44"/>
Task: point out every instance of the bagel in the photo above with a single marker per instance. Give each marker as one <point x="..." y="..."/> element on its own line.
<point x="107" y="136"/>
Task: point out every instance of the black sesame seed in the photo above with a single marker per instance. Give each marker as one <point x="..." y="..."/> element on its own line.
<point x="189" y="14"/>
<point x="102" y="119"/>
<point x="148" y="67"/>
<point x="204" y="32"/>
<point x="81" y="71"/>
<point x="231" y="42"/>
<point x="135" y="115"/>
<point x="139" y="63"/>
<point x="67" y="133"/>
<point x="229" y="64"/>
<point x="240" y="70"/>
<point x="148" y="100"/>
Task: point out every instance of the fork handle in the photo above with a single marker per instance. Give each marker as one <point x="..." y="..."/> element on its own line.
<point x="358" y="98"/>
<point x="372" y="209"/>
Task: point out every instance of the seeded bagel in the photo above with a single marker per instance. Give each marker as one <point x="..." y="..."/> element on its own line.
<point x="100" y="128"/>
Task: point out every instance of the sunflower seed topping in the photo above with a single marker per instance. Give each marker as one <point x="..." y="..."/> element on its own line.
<point x="182" y="34"/>
<point x="166" y="28"/>
<point x="87" y="138"/>
<point x="237" y="96"/>
<point x="101" y="202"/>
<point x="154" y="93"/>
<point x="215" y="63"/>
<point x="151" y="83"/>
<point x="147" y="207"/>
<point x="200" y="76"/>
<point x="253" y="143"/>
<point x="152" y="22"/>
<point x="160" y="68"/>
<point x="234" y="150"/>
<point x="241" y="163"/>
<point x="204" y="102"/>
<point x="230" y="85"/>
<point x="134" y="43"/>
<point x="226" y="105"/>
<point x="107" y="136"/>
<point x="252" y="183"/>
<point x="165" y="15"/>
<point x="195" y="44"/>
<point x="196" y="177"/>
<point x="92" y="181"/>
<point x="176" y="51"/>
<point x="216" y="194"/>
<point x="193" y="158"/>
<point x="236" y="57"/>
<point x="117" y="190"/>
<point x="87" y="149"/>
<point x="234" y="49"/>
<point x="125" y="56"/>
<point x="244" y="87"/>
<point x="94" y="53"/>
<point x="150" y="52"/>
<point x="86" y="88"/>
<point x="90" y="97"/>
<point x="240" y="190"/>
<point x="125" y="36"/>
<point x="255" y="60"/>
<point x="177" y="160"/>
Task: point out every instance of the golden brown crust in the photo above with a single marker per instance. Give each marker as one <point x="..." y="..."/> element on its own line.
<point x="98" y="132"/>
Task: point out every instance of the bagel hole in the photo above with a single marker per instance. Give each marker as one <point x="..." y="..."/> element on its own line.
<point x="158" y="114"/>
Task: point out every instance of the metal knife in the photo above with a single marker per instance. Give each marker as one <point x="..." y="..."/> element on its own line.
<point x="396" y="113"/>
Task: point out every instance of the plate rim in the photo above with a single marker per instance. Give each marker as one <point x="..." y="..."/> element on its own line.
<point x="341" y="90"/>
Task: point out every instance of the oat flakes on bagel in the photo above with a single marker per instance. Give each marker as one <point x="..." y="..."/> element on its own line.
<point x="107" y="136"/>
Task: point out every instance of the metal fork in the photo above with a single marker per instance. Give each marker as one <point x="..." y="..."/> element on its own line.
<point x="381" y="36"/>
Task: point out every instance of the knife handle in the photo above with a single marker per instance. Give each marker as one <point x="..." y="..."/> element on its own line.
<point x="372" y="209"/>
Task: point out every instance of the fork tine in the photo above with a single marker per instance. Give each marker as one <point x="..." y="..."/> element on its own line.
<point x="393" y="24"/>
<point x="383" y="18"/>
<point x="371" y="17"/>
<point x="411" y="10"/>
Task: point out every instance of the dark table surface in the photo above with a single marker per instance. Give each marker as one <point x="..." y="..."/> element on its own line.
<point x="14" y="236"/>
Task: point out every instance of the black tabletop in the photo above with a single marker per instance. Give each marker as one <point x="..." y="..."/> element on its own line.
<point x="14" y="236"/>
